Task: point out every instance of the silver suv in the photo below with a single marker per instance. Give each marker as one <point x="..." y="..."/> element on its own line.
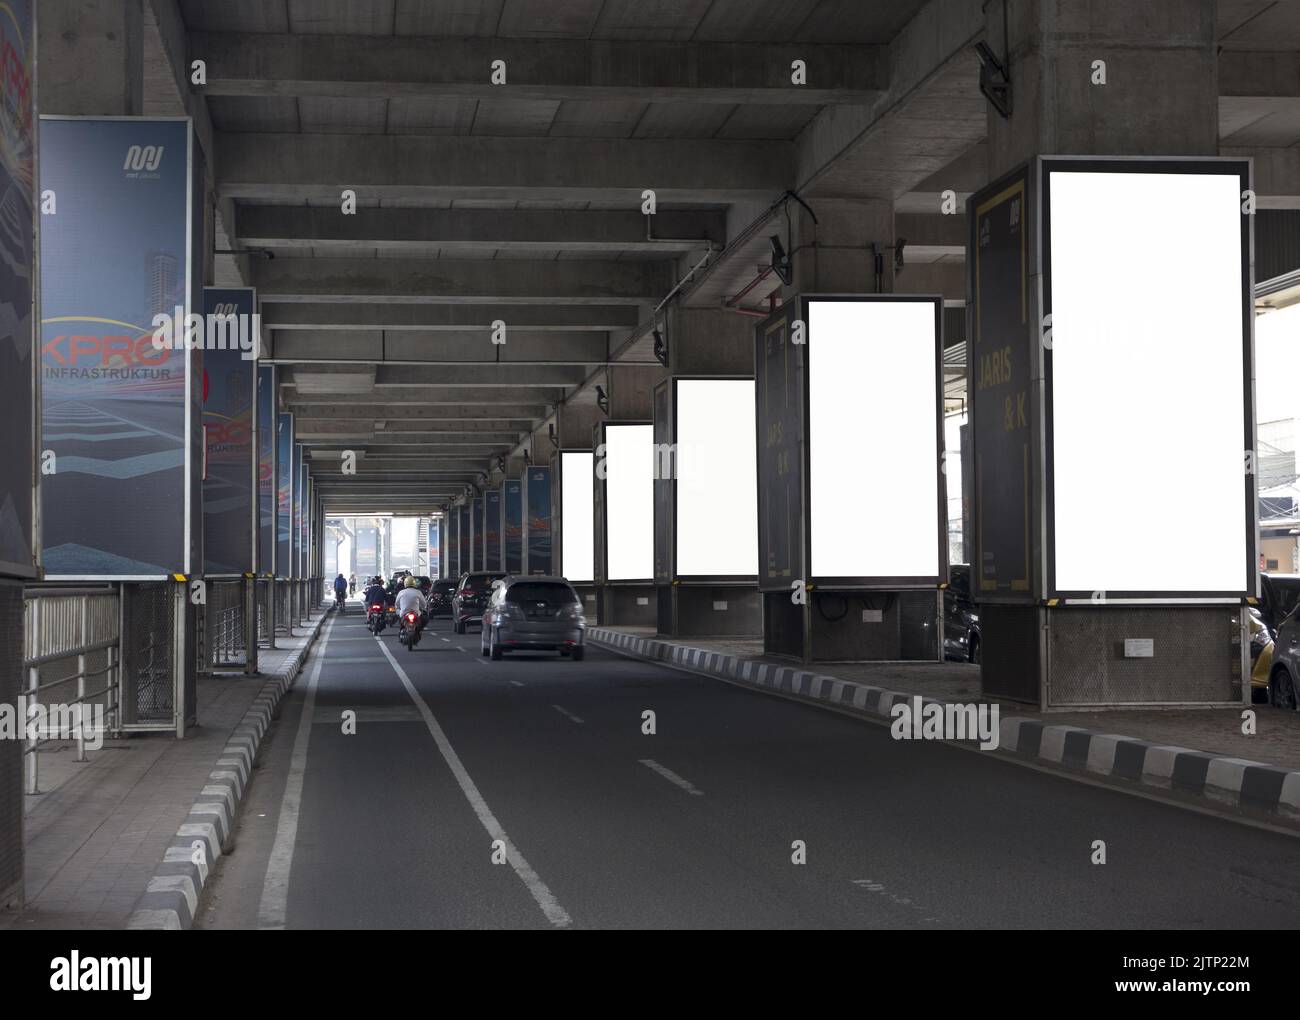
<point x="1284" y="678"/>
<point x="534" y="614"/>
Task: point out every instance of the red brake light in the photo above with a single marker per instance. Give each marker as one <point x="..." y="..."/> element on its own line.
<point x="410" y="617"/>
<point x="376" y="607"/>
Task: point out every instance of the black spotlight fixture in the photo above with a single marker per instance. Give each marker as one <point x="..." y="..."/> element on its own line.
<point x="780" y="260"/>
<point x="602" y="399"/>
<point x="899" y="245"/>
<point x="995" y="79"/>
<point x="661" y="347"/>
<point x="528" y="457"/>
<point x="550" y="431"/>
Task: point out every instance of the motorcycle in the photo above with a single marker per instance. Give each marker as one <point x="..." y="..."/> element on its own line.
<point x="375" y="618"/>
<point x="409" y="635"/>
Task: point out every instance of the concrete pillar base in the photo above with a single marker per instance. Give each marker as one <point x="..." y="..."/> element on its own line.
<point x="854" y="626"/>
<point x="704" y="610"/>
<point x="625" y="605"/>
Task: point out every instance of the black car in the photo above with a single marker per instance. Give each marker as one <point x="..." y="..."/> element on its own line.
<point x="471" y="599"/>
<point x="961" y="619"/>
<point x="439" y="596"/>
<point x="1279" y="594"/>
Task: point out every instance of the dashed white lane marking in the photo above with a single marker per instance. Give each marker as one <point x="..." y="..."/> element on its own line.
<point x="872" y="886"/>
<point x="555" y="913"/>
<point x="671" y="776"/>
<point x="517" y="683"/>
<point x="447" y="639"/>
<point x="274" y="904"/>
<point x="565" y="712"/>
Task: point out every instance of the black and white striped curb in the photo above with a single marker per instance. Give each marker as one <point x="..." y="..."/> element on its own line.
<point x="1234" y="782"/>
<point x="171" y="899"/>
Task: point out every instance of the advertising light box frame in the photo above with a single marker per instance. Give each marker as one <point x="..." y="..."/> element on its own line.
<point x="564" y="532"/>
<point x="601" y="491"/>
<point x="880" y="580"/>
<point x="675" y="496"/>
<point x="1120" y="248"/>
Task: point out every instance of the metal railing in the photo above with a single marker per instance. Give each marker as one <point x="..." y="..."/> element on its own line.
<point x="222" y="642"/>
<point x="61" y="627"/>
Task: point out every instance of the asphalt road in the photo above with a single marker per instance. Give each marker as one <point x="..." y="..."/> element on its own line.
<point x="605" y="826"/>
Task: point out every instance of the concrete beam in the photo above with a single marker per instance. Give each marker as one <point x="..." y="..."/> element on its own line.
<point x="451" y="230"/>
<point x="90" y="58"/>
<point x="387" y="67"/>
<point x="507" y="376"/>
<point x="563" y="281"/>
<point x="301" y="346"/>
<point x="931" y="114"/>
<point x="1243" y="73"/>
<point x="1277" y="176"/>
<point x="397" y="414"/>
<point x="390" y="317"/>
<point x="293" y="167"/>
<point x="517" y="397"/>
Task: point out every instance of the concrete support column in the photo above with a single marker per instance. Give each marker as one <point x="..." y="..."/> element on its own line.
<point x="90" y="56"/>
<point x="702" y="342"/>
<point x="837" y="253"/>
<point x="1107" y="78"/>
<point x="1160" y="95"/>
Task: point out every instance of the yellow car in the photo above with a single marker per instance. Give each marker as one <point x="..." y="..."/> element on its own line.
<point x="1261" y="657"/>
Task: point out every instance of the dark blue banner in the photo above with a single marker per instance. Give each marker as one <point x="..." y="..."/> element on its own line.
<point x="299" y="474"/>
<point x="284" y="497"/>
<point x="512" y="525"/>
<point x="17" y="364"/>
<point x="119" y="428"/>
<point x="492" y="530"/>
<point x="435" y="548"/>
<point x="537" y="520"/>
<point x="228" y="377"/>
<point x="463" y="540"/>
<point x="266" y="469"/>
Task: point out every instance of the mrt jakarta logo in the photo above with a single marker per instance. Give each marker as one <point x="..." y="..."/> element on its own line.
<point x="143" y="161"/>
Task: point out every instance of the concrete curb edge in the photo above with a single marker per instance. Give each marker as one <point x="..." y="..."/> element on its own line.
<point x="170" y="900"/>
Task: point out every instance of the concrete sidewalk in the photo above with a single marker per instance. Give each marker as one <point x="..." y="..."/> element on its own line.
<point x="96" y="834"/>
<point x="1183" y="753"/>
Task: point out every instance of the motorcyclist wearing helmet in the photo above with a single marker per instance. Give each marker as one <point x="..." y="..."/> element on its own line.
<point x="411" y="599"/>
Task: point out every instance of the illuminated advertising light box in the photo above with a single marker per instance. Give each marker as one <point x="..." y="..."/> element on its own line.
<point x="492" y="530"/>
<point x="512" y="525"/>
<point x="625" y="471"/>
<point x="228" y="394"/>
<point x="577" y="521"/>
<point x="284" y="467"/>
<point x="716" y="480"/>
<point x="120" y="393"/>
<point x="1147" y="368"/>
<point x="266" y="469"/>
<point x="875" y="440"/>
<point x="537" y="520"/>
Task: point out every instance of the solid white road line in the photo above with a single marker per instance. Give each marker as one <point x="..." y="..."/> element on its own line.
<point x="566" y="712"/>
<point x="275" y="888"/>
<point x="555" y="913"/>
<point x="671" y="776"/>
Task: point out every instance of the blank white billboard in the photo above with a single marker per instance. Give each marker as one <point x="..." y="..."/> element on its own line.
<point x="1147" y="382"/>
<point x="717" y="479"/>
<point x="873" y="444"/>
<point x="577" y="516"/>
<point x="629" y="502"/>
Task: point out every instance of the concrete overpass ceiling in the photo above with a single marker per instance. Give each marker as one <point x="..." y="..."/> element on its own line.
<point x="520" y="203"/>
